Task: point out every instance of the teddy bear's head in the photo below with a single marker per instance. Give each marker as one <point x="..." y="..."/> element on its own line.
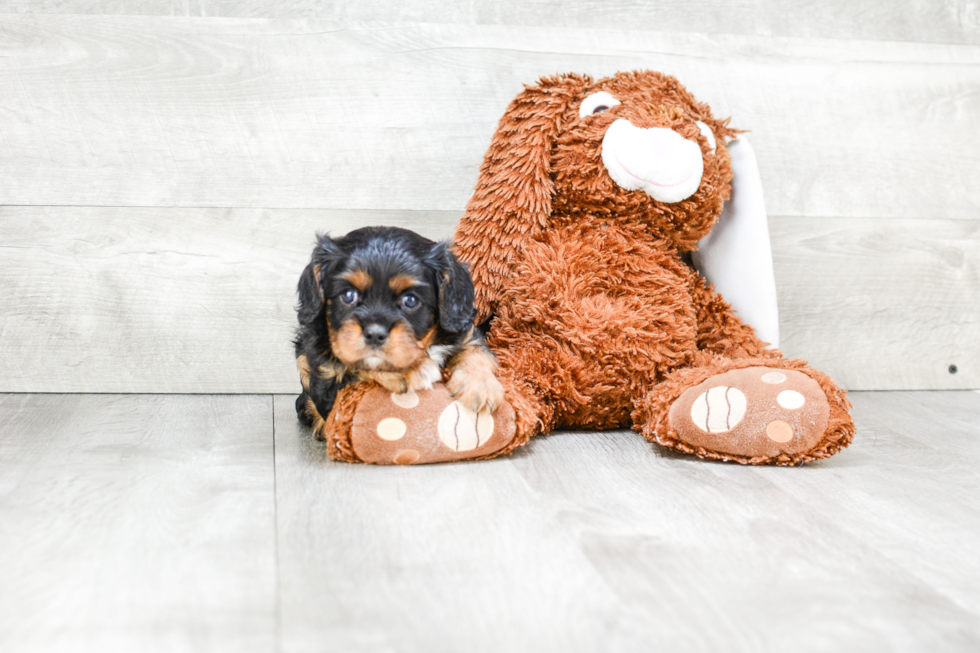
<point x="636" y="146"/>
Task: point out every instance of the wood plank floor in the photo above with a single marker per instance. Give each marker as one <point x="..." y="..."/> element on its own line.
<point x="136" y="523"/>
<point x="213" y="523"/>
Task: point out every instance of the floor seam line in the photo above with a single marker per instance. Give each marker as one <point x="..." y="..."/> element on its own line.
<point x="275" y="515"/>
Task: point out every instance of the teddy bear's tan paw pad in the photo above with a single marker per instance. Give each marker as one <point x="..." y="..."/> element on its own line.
<point x="427" y="426"/>
<point x="755" y="411"/>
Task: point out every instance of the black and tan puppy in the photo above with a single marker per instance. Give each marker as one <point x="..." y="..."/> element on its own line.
<point x="384" y="304"/>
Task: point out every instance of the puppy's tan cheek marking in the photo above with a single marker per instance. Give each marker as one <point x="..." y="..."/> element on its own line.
<point x="427" y="339"/>
<point x="402" y="349"/>
<point x="303" y="366"/>
<point x="347" y="343"/>
<point x="359" y="279"/>
<point x="402" y="282"/>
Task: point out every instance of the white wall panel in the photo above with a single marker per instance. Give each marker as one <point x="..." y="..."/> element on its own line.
<point x="161" y="175"/>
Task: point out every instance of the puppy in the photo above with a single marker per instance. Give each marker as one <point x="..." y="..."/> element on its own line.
<point x="384" y="304"/>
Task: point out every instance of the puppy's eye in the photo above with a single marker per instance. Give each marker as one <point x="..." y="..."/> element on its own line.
<point x="409" y="302"/>
<point x="597" y="103"/>
<point x="350" y="296"/>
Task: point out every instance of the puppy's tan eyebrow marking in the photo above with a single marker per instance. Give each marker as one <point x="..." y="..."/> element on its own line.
<point x="402" y="282"/>
<point x="359" y="279"/>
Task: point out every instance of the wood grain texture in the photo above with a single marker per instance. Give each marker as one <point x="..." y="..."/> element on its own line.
<point x="439" y="558"/>
<point x="920" y="20"/>
<point x="861" y="145"/>
<point x="881" y="304"/>
<point x="588" y="541"/>
<point x="307" y="113"/>
<point x="202" y="300"/>
<point x="136" y="523"/>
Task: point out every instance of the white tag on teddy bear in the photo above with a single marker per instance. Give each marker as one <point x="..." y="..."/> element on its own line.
<point x="736" y="257"/>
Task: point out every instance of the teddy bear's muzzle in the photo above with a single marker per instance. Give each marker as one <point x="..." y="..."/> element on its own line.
<point x="656" y="160"/>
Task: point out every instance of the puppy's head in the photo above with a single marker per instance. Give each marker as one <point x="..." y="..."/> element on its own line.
<point x="383" y="295"/>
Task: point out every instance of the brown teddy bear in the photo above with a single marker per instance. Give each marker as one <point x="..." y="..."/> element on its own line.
<point x="588" y="199"/>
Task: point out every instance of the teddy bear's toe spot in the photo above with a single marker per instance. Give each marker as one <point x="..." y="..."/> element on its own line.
<point x="719" y="409"/>
<point x="406" y="457"/>
<point x="773" y="378"/>
<point x="461" y="429"/>
<point x="790" y="399"/>
<point x="779" y="431"/>
<point x="405" y="400"/>
<point x="391" y="428"/>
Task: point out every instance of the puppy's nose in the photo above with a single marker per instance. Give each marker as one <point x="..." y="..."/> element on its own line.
<point x="375" y="334"/>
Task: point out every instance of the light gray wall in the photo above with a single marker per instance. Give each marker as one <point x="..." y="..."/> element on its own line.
<point x="165" y="164"/>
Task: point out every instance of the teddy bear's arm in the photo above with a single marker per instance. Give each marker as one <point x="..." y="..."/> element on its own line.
<point x="720" y="331"/>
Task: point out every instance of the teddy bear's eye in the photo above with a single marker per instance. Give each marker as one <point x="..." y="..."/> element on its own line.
<point x="707" y="133"/>
<point x="599" y="102"/>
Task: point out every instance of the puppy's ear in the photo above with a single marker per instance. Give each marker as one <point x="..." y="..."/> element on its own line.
<point x="310" y="298"/>
<point x="327" y="256"/>
<point x="512" y="199"/>
<point x="455" y="289"/>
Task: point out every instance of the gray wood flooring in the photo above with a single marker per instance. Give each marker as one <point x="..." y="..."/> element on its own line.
<point x="214" y="523"/>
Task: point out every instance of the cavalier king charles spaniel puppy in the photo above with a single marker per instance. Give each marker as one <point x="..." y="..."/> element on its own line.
<point x="386" y="305"/>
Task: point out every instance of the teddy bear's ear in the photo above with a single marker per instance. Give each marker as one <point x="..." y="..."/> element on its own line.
<point x="736" y="257"/>
<point x="512" y="199"/>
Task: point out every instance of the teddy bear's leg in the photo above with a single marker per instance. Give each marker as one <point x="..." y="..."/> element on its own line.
<point x="371" y="424"/>
<point x="749" y="410"/>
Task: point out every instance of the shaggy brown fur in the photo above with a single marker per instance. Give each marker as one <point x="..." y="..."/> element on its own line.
<point x="596" y="320"/>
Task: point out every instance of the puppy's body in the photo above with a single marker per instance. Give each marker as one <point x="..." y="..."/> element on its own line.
<point x="386" y="305"/>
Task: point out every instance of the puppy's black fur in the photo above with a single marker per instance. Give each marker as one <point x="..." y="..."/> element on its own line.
<point x="387" y="305"/>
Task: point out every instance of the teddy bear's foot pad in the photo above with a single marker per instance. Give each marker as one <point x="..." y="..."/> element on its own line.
<point x="428" y="426"/>
<point x="752" y="412"/>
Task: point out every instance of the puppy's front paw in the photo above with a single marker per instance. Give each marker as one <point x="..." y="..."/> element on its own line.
<point x="392" y="381"/>
<point x="423" y="376"/>
<point x="476" y="390"/>
<point x="420" y="378"/>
